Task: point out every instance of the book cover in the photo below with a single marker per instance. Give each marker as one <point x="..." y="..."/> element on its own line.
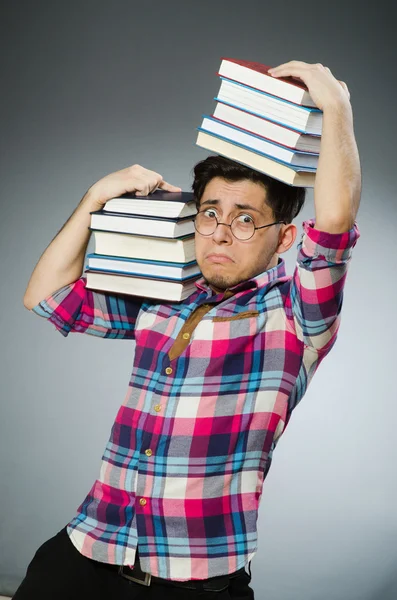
<point x="287" y="103"/>
<point x="162" y="195"/>
<point x="261" y="126"/>
<point x="276" y="169"/>
<point x="138" y="274"/>
<point x="160" y="238"/>
<point x="190" y="279"/>
<point x="264" y="145"/>
<point x="142" y="267"/>
<point x="133" y="245"/>
<point x="140" y="286"/>
<point x="105" y="213"/>
<point x="257" y="75"/>
<point x="144" y="261"/>
<point x="259" y="153"/>
<point x="264" y="69"/>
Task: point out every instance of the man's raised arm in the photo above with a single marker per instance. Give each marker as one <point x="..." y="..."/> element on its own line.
<point x="63" y="260"/>
<point x="337" y="187"/>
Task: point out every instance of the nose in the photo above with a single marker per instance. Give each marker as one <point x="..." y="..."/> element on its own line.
<point x="222" y="234"/>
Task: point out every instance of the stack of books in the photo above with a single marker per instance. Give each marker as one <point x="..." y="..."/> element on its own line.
<point x="269" y="124"/>
<point x="144" y="246"/>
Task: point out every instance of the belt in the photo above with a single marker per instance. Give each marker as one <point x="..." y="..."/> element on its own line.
<point x="213" y="584"/>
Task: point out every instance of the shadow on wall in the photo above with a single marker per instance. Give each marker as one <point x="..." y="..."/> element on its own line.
<point x="387" y="591"/>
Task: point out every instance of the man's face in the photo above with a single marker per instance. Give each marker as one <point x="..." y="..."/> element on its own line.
<point x="224" y="260"/>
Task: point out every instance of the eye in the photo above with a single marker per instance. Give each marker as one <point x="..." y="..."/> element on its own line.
<point x="245" y="220"/>
<point x="210" y="213"/>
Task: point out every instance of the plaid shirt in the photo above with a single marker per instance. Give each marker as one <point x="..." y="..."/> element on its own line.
<point x="214" y="381"/>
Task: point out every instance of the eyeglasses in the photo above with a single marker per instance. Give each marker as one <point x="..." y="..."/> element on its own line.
<point x="242" y="226"/>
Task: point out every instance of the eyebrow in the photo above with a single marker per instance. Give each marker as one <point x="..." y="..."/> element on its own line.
<point x="214" y="202"/>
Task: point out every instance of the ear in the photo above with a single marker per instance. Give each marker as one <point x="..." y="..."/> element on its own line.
<point x="286" y="238"/>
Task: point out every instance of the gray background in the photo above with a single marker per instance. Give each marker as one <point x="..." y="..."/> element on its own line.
<point x="92" y="87"/>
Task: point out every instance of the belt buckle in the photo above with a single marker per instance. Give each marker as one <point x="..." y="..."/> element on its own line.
<point x="145" y="581"/>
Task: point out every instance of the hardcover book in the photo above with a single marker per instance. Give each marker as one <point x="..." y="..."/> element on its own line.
<point x="126" y="223"/>
<point x="256" y="75"/>
<point x="159" y="203"/>
<point x="292" y="175"/>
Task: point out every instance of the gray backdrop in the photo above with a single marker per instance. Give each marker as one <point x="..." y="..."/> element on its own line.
<point x="92" y="87"/>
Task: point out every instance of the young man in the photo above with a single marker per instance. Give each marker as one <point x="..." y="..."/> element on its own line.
<point x="215" y="378"/>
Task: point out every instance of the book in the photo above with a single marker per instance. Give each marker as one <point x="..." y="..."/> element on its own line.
<point x="164" y="289"/>
<point x="256" y="76"/>
<point x="126" y="245"/>
<point x="159" y="203"/>
<point x="292" y="175"/>
<point x="268" y="129"/>
<point x="126" y="223"/>
<point x="143" y="268"/>
<point x="262" y="145"/>
<point x="180" y="250"/>
<point x="301" y="118"/>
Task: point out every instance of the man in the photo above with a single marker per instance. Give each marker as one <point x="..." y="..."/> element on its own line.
<point x="215" y="377"/>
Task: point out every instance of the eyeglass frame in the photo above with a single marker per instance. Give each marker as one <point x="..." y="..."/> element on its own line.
<point x="231" y="231"/>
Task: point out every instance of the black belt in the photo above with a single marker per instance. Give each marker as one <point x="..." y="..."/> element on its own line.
<point x="213" y="584"/>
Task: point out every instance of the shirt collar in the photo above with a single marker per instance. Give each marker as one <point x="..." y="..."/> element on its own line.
<point x="258" y="281"/>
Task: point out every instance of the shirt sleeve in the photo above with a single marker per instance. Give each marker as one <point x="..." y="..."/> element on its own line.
<point x="74" y="308"/>
<point x="314" y="302"/>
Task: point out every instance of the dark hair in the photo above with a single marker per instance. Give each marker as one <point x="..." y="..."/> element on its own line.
<point x="286" y="201"/>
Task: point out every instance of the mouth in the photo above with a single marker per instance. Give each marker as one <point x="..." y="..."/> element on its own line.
<point x="219" y="258"/>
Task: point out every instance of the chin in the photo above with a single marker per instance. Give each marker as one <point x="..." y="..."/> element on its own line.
<point x="221" y="281"/>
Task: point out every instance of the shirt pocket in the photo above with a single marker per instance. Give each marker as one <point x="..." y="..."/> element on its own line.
<point x="243" y="315"/>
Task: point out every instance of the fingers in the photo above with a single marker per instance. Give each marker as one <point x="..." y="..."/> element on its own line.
<point x="297" y="70"/>
<point x="344" y="86"/>
<point x="147" y="183"/>
<point x="292" y="64"/>
<point x="143" y="181"/>
<point x="163" y="185"/>
<point x="147" y="188"/>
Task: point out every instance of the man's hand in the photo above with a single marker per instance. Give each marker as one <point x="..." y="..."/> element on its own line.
<point x="325" y="90"/>
<point x="132" y="179"/>
<point x="63" y="260"/>
<point x="337" y="189"/>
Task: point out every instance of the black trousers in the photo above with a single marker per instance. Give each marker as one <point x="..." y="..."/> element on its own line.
<point x="60" y="572"/>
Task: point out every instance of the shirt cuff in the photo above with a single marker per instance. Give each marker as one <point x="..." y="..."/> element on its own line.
<point x="333" y="247"/>
<point x="62" y="307"/>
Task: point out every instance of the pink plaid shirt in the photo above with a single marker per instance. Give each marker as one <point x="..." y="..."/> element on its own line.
<point x="183" y="470"/>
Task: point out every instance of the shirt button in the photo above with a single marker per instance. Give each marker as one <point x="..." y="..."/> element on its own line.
<point x="186" y="336"/>
<point x="142" y="501"/>
<point x="157" y="407"/>
<point x="148" y="452"/>
<point x="168" y="370"/>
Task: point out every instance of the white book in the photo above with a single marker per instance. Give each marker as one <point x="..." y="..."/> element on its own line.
<point x="140" y="286"/>
<point x="123" y="223"/>
<point x="256" y="75"/>
<point x="145" y="268"/>
<point x="306" y="120"/>
<point x="128" y="245"/>
<point x="293" y="176"/>
<point x="159" y="203"/>
<point x="272" y="131"/>
<point x="254" y="142"/>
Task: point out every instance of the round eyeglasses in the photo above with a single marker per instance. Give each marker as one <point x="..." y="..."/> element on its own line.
<point x="242" y="226"/>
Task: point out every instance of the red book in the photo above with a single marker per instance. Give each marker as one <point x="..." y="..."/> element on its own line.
<point x="256" y="75"/>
